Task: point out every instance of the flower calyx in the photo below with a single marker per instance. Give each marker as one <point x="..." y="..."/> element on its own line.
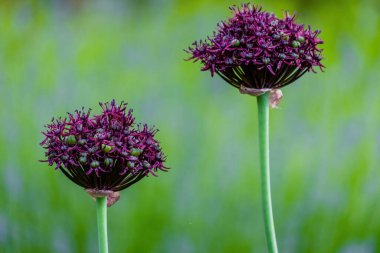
<point x="112" y="197"/>
<point x="275" y="95"/>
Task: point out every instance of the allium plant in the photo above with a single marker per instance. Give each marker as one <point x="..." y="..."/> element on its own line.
<point x="259" y="53"/>
<point x="103" y="153"/>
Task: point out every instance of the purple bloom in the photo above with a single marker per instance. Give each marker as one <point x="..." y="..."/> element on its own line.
<point x="104" y="153"/>
<point x="256" y="52"/>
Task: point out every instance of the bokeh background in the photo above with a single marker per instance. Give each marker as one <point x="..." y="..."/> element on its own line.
<point x="57" y="56"/>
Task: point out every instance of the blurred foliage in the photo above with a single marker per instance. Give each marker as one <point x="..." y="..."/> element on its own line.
<point x="56" y="56"/>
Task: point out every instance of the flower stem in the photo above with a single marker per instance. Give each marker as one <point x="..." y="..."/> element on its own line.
<point x="101" y="213"/>
<point x="263" y="114"/>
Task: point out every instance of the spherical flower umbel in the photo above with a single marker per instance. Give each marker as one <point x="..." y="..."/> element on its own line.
<point x="257" y="52"/>
<point x="105" y="153"/>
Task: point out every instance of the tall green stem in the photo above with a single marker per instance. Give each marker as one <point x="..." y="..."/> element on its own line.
<point x="263" y="114"/>
<point x="101" y="213"/>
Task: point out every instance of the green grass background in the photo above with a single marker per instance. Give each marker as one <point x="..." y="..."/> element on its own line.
<point x="57" y="56"/>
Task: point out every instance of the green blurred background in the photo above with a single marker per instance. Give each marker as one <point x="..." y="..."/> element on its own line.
<point x="56" y="56"/>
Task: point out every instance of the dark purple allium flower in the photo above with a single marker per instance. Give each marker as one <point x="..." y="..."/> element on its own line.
<point x="105" y="153"/>
<point x="256" y="52"/>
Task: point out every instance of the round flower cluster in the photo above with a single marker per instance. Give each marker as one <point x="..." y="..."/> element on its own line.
<point x="255" y="49"/>
<point x="104" y="152"/>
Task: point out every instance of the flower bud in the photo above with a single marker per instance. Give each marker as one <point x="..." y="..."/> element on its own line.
<point x="136" y="151"/>
<point x="146" y="164"/>
<point x="83" y="159"/>
<point x="106" y="148"/>
<point x="92" y="150"/>
<point x="266" y="60"/>
<point x="235" y="43"/>
<point x="82" y="142"/>
<point x="70" y="140"/>
<point x="301" y="39"/>
<point x="94" y="164"/>
<point x="295" y="43"/>
<point x="108" y="162"/>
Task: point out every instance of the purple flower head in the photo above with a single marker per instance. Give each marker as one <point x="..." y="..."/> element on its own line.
<point x="105" y="152"/>
<point x="256" y="51"/>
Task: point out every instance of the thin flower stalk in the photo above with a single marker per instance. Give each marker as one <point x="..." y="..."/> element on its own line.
<point x="104" y="154"/>
<point x="259" y="53"/>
